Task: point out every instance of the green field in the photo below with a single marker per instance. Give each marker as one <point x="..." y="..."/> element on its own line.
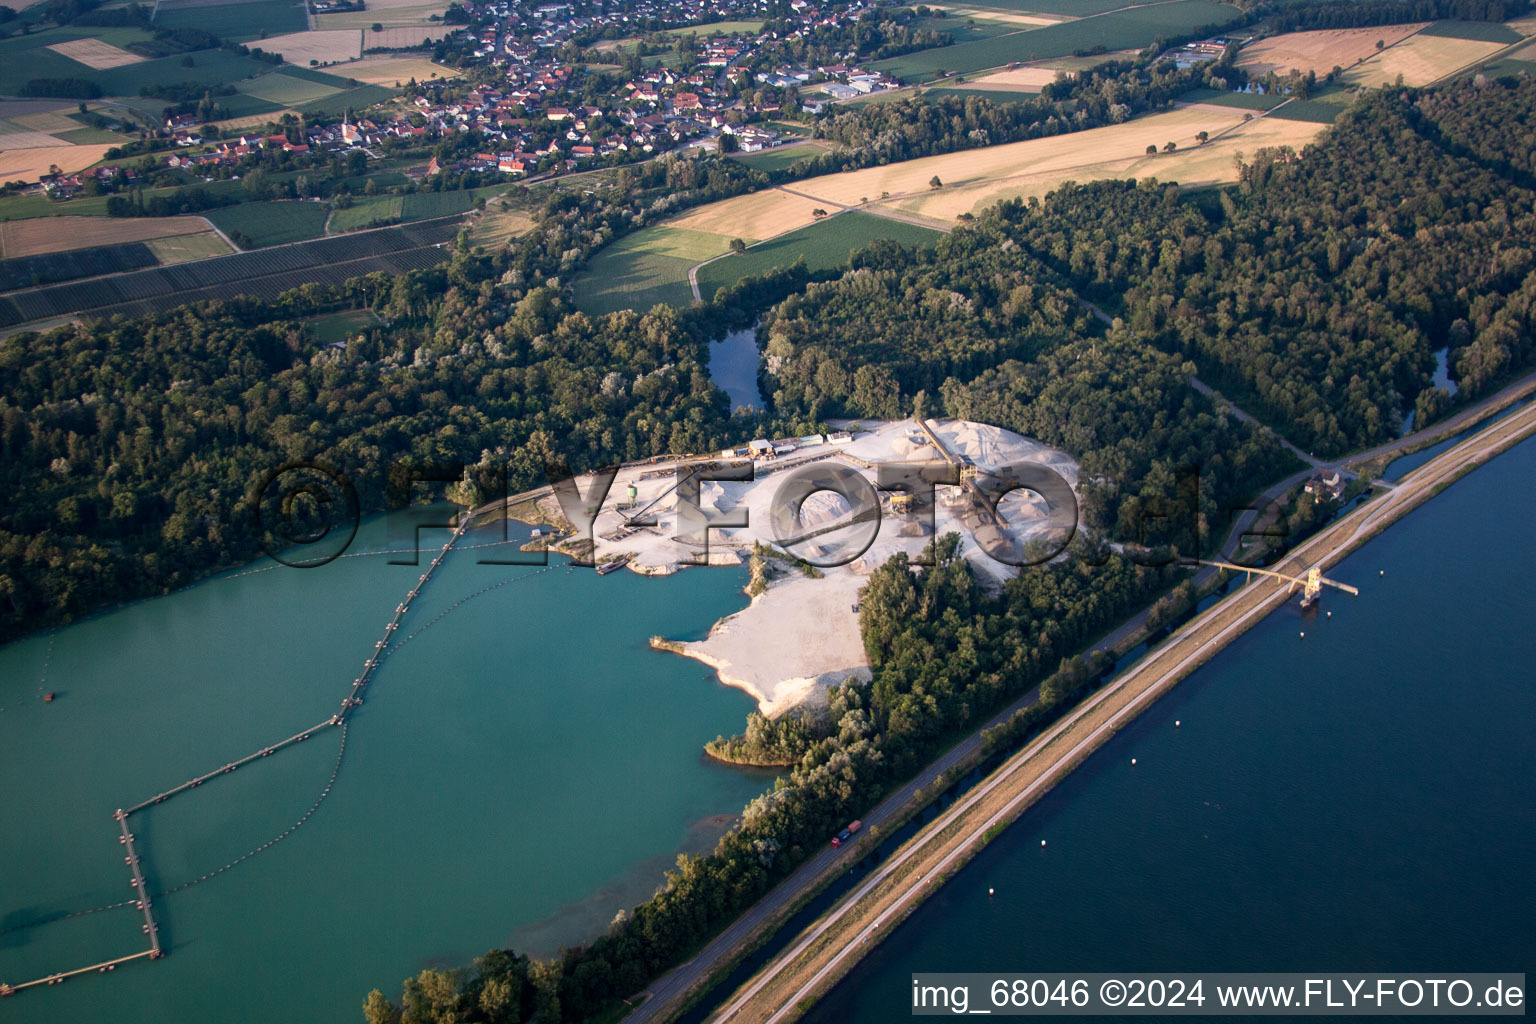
<point x="328" y="330"/>
<point x="779" y="157"/>
<point x="89" y="136"/>
<point x="1308" y="110"/>
<point x="823" y="246"/>
<point x="788" y="128"/>
<point x="244" y="22"/>
<point x="963" y="30"/>
<point x="209" y="67"/>
<point x="1507" y="66"/>
<point x="1241" y="100"/>
<point x="364" y="213"/>
<point x="719" y="28"/>
<point x="1481" y="31"/>
<point x="994" y="95"/>
<point x="1120" y="30"/>
<point x="618" y="279"/>
<point x="1070" y="8"/>
<point x="284" y="90"/>
<point x="348" y="99"/>
<point x="644" y="268"/>
<point x="271" y="223"/>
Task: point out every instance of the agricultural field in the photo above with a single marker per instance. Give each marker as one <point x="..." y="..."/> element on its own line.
<point x="1320" y="51"/>
<point x="1027" y="79"/>
<point x="31" y="271"/>
<point x="403" y="36"/>
<point x="753" y="216"/>
<point x="1063" y="8"/>
<point x="56" y="234"/>
<point x="270" y="223"/>
<point x="1482" y="31"/>
<point x="336" y="328"/>
<point x="630" y="278"/>
<point x="1240" y="100"/>
<point x="388" y="71"/>
<point x="1114" y="151"/>
<point x="347" y="99"/>
<point x="265" y="273"/>
<point x="1004" y="17"/>
<point x="990" y="95"/>
<point x="30" y="164"/>
<point x="238" y="20"/>
<point x="504" y="218"/>
<point x="1309" y="110"/>
<point x="966" y="29"/>
<point x="780" y="157"/>
<point x="286" y="90"/>
<point x="182" y="248"/>
<point x="95" y="54"/>
<point x="1132" y="27"/>
<point x="364" y="213"/>
<point x="823" y="246"/>
<point x="390" y="14"/>
<point x="1420" y="60"/>
<point x="324" y="47"/>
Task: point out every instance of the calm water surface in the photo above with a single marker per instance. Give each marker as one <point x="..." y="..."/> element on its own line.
<point x="522" y="769"/>
<point x="1361" y="799"/>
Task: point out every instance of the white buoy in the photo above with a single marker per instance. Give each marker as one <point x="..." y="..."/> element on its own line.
<point x="1133" y="762"/>
<point x="1042" y="842"/>
<point x="1382" y="573"/>
<point x="1303" y="636"/>
<point x="991" y="891"/>
<point x="1175" y="723"/>
<point x="1330" y="615"/>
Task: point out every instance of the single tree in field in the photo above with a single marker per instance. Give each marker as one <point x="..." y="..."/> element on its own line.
<point x="737" y="245"/>
<point x="378" y="27"/>
<point x="934" y="182"/>
<point x="1202" y="136"/>
<point x="1381" y="44"/>
<point x="818" y="213"/>
<point x="1151" y="151"/>
<point x="1170" y="146"/>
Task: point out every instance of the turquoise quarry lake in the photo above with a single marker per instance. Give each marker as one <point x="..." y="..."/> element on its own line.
<point x="523" y="768"/>
<point x="1361" y="799"/>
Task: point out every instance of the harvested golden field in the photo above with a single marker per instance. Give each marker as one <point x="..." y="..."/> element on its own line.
<point x="1420" y="60"/>
<point x="325" y="46"/>
<point x="251" y="120"/>
<point x="1061" y="152"/>
<point x="390" y="13"/>
<point x="397" y="69"/>
<point x="48" y="121"/>
<point x="95" y="54"/>
<point x="1118" y="151"/>
<point x="38" y="235"/>
<point x="399" y="38"/>
<point x="1525" y="26"/>
<point x="30" y="164"/>
<point x="1009" y="17"/>
<point x="13" y="136"/>
<point x="754" y="216"/>
<point x="498" y="225"/>
<point x="1030" y="79"/>
<point x="1319" y="51"/>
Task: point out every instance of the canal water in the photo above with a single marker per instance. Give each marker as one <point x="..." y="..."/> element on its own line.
<point x="1363" y="798"/>
<point x="522" y="769"/>
<point x="733" y="362"/>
